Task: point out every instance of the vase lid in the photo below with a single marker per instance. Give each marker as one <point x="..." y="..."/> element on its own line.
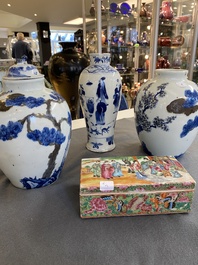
<point x="22" y="70"/>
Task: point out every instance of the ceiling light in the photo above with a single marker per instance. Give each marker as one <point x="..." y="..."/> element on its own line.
<point x="35" y="15"/>
<point x="77" y="21"/>
<point x="9" y="5"/>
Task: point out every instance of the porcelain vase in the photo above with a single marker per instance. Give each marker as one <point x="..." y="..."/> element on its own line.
<point x="166" y="113"/>
<point x="166" y="10"/>
<point x="35" y="129"/>
<point x="64" y="70"/>
<point x="100" y="94"/>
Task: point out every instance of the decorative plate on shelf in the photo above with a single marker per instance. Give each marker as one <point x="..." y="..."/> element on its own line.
<point x="125" y="8"/>
<point x="114" y="7"/>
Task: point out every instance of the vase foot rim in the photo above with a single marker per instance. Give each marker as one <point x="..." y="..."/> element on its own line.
<point x="100" y="150"/>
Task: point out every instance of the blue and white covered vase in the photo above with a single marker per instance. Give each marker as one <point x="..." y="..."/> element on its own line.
<point x="35" y="129"/>
<point x="100" y="95"/>
<point x="166" y="113"/>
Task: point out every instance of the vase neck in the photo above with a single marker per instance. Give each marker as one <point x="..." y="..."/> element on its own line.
<point x="100" y="58"/>
<point x="171" y="73"/>
<point x="68" y="45"/>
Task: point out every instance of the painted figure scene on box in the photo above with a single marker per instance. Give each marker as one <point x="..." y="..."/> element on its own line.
<point x="133" y="171"/>
<point x="141" y="186"/>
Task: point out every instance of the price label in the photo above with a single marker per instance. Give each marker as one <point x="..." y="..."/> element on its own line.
<point x="106" y="185"/>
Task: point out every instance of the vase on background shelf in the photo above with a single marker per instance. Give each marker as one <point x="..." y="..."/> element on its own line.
<point x="92" y="10"/>
<point x="144" y="39"/>
<point x="103" y="9"/>
<point x="143" y="10"/>
<point x="64" y="70"/>
<point x="100" y="95"/>
<point x="177" y="62"/>
<point x="35" y="129"/>
<point x="162" y="62"/>
<point x="166" y="11"/>
<point x="166" y="113"/>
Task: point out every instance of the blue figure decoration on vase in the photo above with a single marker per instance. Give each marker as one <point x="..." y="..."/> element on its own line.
<point x="101" y="106"/>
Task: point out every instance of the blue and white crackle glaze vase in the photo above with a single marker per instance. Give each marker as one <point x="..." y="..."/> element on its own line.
<point x="166" y="113"/>
<point x="100" y="95"/>
<point x="35" y="129"/>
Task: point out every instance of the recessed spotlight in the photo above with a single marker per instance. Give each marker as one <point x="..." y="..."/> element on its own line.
<point x="35" y="15"/>
<point x="9" y="5"/>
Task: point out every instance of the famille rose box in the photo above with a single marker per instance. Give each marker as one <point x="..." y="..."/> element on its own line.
<point x="134" y="185"/>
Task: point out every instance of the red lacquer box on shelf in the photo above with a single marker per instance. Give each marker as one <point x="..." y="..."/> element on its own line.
<point x="134" y="185"/>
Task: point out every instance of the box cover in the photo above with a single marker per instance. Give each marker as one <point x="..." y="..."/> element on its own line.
<point x="134" y="185"/>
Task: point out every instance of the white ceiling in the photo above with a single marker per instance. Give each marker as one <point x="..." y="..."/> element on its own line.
<point x="20" y="16"/>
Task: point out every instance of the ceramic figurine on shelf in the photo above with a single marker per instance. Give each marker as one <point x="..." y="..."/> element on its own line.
<point x="35" y="129"/>
<point x="144" y="40"/>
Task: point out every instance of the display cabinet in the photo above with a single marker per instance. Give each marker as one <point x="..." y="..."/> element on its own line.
<point x="173" y="29"/>
<point x="118" y="28"/>
<point x="144" y="35"/>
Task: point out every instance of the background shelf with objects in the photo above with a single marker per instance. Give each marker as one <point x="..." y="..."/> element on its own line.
<point x="127" y="33"/>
